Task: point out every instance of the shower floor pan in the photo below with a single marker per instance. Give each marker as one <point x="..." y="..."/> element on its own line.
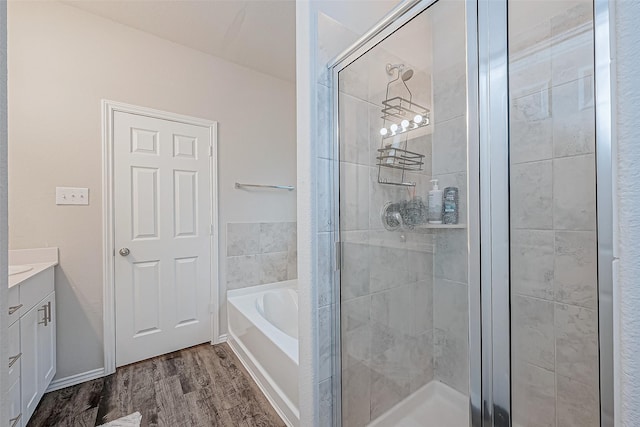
<point x="434" y="405"/>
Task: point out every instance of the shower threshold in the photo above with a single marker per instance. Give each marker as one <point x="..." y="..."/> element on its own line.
<point x="436" y="404"/>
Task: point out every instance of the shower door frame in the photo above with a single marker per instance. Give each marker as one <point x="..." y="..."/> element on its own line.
<point x="488" y="186"/>
<point x="398" y="17"/>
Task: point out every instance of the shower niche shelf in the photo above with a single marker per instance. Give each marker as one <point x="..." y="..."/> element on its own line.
<point x="442" y="226"/>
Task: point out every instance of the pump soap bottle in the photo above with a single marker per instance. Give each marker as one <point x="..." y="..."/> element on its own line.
<point x="435" y="203"/>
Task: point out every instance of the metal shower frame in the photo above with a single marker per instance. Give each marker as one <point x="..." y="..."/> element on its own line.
<point x="488" y="177"/>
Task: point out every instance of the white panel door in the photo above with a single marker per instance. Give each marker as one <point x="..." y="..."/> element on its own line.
<point x="162" y="213"/>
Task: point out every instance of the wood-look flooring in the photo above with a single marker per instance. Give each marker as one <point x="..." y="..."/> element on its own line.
<point x="199" y="386"/>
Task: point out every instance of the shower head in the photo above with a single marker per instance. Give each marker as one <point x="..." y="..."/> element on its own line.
<point x="404" y="72"/>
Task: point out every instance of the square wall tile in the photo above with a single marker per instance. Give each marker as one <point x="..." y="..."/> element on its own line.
<point x="422" y="307"/>
<point x="574" y="129"/>
<point x="388" y="389"/>
<point x="356" y="395"/>
<point x="355" y="313"/>
<point x="243" y="271"/>
<point x="451" y="334"/>
<point x="356" y="346"/>
<point x="450" y="260"/>
<point x="532" y="263"/>
<point x="273" y="267"/>
<point x="389" y="267"/>
<point x="385" y="341"/>
<point x="531" y="126"/>
<point x="577" y="343"/>
<point x="421" y="361"/>
<point x="449" y="92"/>
<point x="395" y="309"/>
<point x="578" y="404"/>
<point x="576" y="269"/>
<point x="420" y="265"/>
<point x="574" y="193"/>
<point x="354" y="79"/>
<point x="355" y="270"/>
<point x="532" y="195"/>
<point x="354" y="130"/>
<point x="274" y="237"/>
<point x="243" y="239"/>
<point x="532" y="331"/>
<point x="449" y="30"/>
<point x="354" y="197"/>
<point x="534" y="396"/>
<point x="449" y="146"/>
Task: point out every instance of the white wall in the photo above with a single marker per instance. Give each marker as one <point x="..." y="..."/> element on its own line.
<point x="627" y="285"/>
<point x="62" y="62"/>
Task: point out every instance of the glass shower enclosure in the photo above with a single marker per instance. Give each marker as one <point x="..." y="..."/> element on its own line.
<point x="470" y="232"/>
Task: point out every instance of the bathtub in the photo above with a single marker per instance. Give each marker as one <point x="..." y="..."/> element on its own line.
<point x="263" y="332"/>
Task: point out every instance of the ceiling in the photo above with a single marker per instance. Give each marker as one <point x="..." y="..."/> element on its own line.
<point x="259" y="34"/>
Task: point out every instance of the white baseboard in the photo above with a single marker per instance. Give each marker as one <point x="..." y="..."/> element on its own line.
<point x="222" y="338"/>
<point x="76" y="379"/>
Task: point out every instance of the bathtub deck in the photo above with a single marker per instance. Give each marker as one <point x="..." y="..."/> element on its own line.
<point x="199" y="386"/>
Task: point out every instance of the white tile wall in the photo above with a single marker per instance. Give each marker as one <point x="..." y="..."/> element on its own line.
<point x="259" y="253"/>
<point x="553" y="218"/>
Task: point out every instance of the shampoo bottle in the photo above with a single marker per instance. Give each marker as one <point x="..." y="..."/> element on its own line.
<point x="450" y="211"/>
<point x="435" y="204"/>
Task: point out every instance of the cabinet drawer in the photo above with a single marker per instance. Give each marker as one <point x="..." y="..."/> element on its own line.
<point x="15" y="355"/>
<point x="14" y="406"/>
<point x="35" y="289"/>
<point x="15" y="309"/>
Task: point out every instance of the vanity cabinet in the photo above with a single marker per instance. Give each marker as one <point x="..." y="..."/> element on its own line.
<point x="32" y="347"/>
<point x="37" y="342"/>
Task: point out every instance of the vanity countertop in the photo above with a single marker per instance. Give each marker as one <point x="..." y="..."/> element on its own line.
<point x="38" y="259"/>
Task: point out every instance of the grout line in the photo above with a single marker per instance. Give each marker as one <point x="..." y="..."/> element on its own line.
<point x="547" y="159"/>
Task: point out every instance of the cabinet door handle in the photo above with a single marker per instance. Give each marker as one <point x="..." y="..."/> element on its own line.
<point x="49" y="311"/>
<point x="14" y="421"/>
<point x="14" y="359"/>
<point x="14" y="308"/>
<point x="45" y="319"/>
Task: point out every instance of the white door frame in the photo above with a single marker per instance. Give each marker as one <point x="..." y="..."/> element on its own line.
<point x="109" y="317"/>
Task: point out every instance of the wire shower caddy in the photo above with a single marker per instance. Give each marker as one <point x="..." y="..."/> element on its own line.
<point x="404" y="116"/>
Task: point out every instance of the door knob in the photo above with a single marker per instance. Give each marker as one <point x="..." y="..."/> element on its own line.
<point x="124" y="251"/>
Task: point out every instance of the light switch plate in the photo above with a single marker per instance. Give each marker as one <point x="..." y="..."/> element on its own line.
<point x="72" y="196"/>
